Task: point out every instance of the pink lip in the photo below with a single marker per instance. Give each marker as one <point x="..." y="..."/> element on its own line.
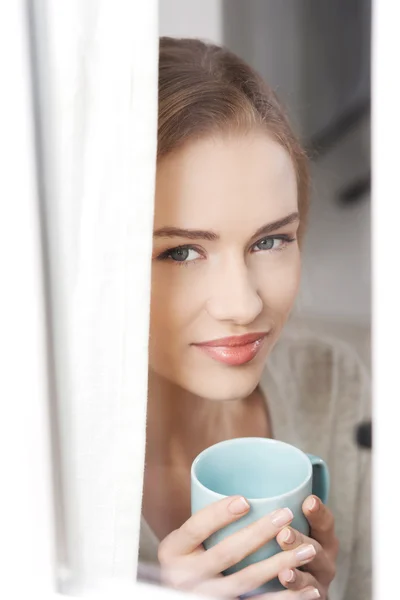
<point x="235" y="350"/>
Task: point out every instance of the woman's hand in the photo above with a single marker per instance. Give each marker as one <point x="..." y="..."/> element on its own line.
<point x="186" y="565"/>
<point x="321" y="571"/>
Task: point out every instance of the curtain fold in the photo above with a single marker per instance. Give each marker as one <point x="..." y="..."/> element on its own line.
<point x="98" y="69"/>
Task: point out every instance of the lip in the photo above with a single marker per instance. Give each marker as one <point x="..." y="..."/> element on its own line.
<point x="235" y="350"/>
<point x="234" y="340"/>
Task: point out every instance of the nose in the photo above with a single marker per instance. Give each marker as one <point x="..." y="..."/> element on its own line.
<point x="234" y="296"/>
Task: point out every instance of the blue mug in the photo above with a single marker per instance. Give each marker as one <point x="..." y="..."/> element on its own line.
<point x="270" y="474"/>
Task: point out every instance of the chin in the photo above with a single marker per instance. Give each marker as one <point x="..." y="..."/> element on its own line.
<point x="227" y="385"/>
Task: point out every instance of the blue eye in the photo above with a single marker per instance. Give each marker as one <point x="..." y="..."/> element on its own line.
<point x="266" y="244"/>
<point x="273" y="243"/>
<point x="180" y="254"/>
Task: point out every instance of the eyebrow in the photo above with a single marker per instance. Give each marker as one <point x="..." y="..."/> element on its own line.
<point x="271" y="227"/>
<point x="199" y="234"/>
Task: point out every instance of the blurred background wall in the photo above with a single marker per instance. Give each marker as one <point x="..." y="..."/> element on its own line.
<point x="316" y="55"/>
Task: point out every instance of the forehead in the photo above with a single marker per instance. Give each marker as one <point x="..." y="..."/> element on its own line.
<point x="238" y="179"/>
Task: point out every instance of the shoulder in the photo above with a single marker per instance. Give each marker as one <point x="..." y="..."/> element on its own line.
<point x="321" y="369"/>
<point x="318" y="359"/>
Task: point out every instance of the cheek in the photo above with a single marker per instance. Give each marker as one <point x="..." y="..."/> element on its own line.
<point x="176" y="300"/>
<point x="278" y="283"/>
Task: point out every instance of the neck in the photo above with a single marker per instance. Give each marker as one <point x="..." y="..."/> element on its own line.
<point x="181" y="424"/>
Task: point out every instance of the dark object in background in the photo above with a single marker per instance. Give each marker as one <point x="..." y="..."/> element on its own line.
<point x="334" y="131"/>
<point x="355" y="191"/>
<point x="333" y="134"/>
<point x="364" y="435"/>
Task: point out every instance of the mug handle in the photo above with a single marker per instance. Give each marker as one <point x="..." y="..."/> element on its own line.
<point x="321" y="482"/>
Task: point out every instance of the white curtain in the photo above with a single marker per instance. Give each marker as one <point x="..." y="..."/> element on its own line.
<point x="26" y="524"/>
<point x="97" y="86"/>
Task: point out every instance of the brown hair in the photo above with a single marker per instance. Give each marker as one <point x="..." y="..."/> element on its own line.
<point x="205" y="88"/>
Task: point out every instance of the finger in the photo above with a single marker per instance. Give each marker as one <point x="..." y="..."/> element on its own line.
<point x="182" y="575"/>
<point x="293" y="579"/>
<point x="237" y="546"/>
<point x="255" y="575"/>
<point x="322" y="566"/>
<point x="309" y="593"/>
<point x="200" y="526"/>
<point x="322" y="523"/>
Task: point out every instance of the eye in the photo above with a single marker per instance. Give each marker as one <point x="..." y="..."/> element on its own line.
<point x="180" y="254"/>
<point x="266" y="244"/>
<point x="273" y="243"/>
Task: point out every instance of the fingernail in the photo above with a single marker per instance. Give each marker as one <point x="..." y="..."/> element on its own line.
<point x="288" y="536"/>
<point x="238" y="506"/>
<point x="305" y="553"/>
<point x="310" y="594"/>
<point x="312" y="504"/>
<point x="289" y="575"/>
<point x="281" y="517"/>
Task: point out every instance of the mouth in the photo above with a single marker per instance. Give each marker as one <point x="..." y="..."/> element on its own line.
<point x="234" y="350"/>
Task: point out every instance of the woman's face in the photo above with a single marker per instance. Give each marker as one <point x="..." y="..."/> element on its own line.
<point x="225" y="263"/>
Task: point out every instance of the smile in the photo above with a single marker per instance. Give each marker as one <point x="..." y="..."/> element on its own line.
<point x="235" y="350"/>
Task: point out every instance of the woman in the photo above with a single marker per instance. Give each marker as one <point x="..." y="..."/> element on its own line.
<point x="230" y="212"/>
